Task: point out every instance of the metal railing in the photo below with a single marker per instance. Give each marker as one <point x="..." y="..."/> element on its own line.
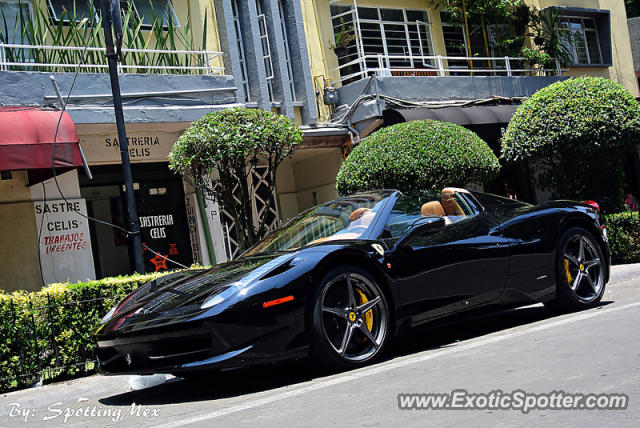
<point x="438" y="65"/>
<point x="21" y="57"/>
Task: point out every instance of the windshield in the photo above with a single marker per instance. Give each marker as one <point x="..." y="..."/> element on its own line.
<point x="345" y="218"/>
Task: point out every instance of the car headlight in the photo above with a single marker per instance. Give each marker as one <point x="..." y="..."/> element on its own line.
<point x="109" y="314"/>
<point x="253" y="276"/>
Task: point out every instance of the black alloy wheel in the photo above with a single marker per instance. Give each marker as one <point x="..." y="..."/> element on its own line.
<point x="351" y="321"/>
<point x="580" y="271"/>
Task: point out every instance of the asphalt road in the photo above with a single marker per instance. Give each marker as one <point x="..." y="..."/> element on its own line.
<point x="528" y="349"/>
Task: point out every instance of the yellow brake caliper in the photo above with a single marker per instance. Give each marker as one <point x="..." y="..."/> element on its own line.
<point x="566" y="269"/>
<point x="368" y="317"/>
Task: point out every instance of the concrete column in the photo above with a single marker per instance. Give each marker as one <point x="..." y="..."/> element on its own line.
<point x="300" y="60"/>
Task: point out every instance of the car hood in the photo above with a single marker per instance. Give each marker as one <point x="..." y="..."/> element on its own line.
<point x="192" y="287"/>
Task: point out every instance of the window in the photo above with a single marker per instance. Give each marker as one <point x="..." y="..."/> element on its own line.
<point x="396" y="32"/>
<point x="412" y="206"/>
<point x="457" y="41"/>
<point x="401" y="36"/>
<point x="148" y="11"/>
<point x="266" y="47"/>
<point x="583" y="43"/>
<point x="287" y="49"/>
<point x="10" y="10"/>
<point x="80" y="9"/>
<point x="145" y="10"/>
<point x="347" y="218"/>
<point x="240" y="45"/>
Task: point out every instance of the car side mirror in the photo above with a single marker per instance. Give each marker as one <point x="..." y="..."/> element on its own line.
<point x="421" y="227"/>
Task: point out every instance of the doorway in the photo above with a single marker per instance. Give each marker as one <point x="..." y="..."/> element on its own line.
<point x="161" y="207"/>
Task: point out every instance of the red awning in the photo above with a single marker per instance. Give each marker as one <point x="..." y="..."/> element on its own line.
<point x="26" y="139"/>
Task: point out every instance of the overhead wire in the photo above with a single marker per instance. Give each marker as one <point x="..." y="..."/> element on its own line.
<point x="127" y="232"/>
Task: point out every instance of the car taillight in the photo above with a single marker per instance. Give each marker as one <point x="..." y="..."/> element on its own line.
<point x="593" y="204"/>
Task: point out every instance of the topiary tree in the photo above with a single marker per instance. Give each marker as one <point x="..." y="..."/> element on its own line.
<point x="576" y="133"/>
<point x="417" y="155"/>
<point x="217" y="153"/>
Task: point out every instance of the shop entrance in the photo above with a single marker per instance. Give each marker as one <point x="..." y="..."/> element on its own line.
<point x="161" y="209"/>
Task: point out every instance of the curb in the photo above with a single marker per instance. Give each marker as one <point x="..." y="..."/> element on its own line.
<point x="621" y="273"/>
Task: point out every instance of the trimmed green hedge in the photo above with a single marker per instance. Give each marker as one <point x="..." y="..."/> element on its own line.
<point x="624" y="236"/>
<point x="48" y="334"/>
<point x="576" y="133"/>
<point x="577" y="116"/>
<point x="421" y="154"/>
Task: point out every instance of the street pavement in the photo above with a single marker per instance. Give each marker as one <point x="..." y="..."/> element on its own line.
<point x="528" y="349"/>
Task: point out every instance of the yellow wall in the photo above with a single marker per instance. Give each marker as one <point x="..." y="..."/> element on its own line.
<point x="309" y="171"/>
<point x="16" y="189"/>
<point x="319" y="31"/>
<point x="622" y="70"/>
<point x="317" y="174"/>
<point x="19" y="250"/>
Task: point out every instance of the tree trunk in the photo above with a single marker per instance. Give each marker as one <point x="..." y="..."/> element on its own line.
<point x="486" y="39"/>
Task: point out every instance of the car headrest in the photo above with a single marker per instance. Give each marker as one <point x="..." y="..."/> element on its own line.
<point x="356" y="214"/>
<point x="451" y="207"/>
<point x="433" y="208"/>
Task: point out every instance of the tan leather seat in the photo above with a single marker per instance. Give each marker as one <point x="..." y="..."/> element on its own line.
<point x="451" y="207"/>
<point x="431" y="209"/>
<point x="356" y="214"/>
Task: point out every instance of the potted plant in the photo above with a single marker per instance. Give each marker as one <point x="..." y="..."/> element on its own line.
<point x="343" y="39"/>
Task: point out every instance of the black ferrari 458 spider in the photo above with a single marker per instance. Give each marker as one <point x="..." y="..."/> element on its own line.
<point x="338" y="281"/>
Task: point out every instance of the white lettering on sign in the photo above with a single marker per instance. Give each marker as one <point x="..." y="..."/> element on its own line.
<point x="156" y="220"/>
<point x="158" y="232"/>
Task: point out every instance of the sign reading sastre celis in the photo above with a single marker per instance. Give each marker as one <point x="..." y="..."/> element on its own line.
<point x="148" y="146"/>
<point x="139" y="147"/>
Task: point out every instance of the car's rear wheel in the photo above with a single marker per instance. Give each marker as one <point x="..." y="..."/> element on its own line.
<point x="351" y="322"/>
<point x="580" y="271"/>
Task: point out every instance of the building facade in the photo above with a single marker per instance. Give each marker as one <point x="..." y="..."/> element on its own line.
<point x="339" y="68"/>
<point x="411" y="59"/>
<point x="634" y="34"/>
<point x="255" y="57"/>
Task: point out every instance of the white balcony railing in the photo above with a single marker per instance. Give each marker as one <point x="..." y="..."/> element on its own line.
<point x="20" y="57"/>
<point x="438" y="65"/>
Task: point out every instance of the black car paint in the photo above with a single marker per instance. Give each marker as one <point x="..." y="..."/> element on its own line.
<point x="504" y="256"/>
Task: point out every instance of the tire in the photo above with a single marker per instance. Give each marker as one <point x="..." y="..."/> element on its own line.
<point x="580" y="277"/>
<point x="336" y="311"/>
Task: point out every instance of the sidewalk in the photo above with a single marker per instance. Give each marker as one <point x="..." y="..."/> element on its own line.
<point x="624" y="272"/>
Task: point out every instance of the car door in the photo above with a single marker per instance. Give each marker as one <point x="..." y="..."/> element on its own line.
<point x="460" y="266"/>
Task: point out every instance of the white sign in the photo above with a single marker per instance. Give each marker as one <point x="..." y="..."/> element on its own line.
<point x="65" y="243"/>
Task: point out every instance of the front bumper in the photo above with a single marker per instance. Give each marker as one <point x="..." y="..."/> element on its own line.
<point x="203" y="344"/>
<point x="156" y="351"/>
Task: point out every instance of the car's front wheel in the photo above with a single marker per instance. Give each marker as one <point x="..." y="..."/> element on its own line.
<point x="351" y="322"/>
<point x="580" y="274"/>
